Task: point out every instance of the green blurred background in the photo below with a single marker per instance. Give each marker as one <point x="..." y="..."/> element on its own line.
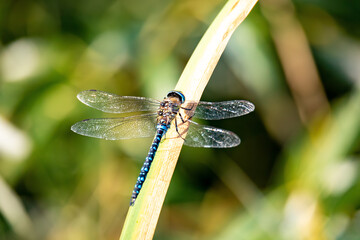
<point x="296" y="174"/>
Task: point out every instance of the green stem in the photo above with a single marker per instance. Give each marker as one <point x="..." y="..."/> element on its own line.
<point x="142" y="218"/>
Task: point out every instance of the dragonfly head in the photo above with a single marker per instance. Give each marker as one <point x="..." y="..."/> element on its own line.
<point x="177" y="94"/>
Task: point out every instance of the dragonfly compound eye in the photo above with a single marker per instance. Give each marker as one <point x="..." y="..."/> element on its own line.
<point x="179" y="95"/>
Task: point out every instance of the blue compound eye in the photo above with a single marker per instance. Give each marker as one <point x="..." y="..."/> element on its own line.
<point x="177" y="94"/>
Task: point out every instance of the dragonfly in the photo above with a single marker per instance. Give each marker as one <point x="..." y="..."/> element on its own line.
<point x="157" y="120"/>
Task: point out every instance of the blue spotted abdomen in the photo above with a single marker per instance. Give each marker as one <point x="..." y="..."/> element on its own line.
<point x="161" y="130"/>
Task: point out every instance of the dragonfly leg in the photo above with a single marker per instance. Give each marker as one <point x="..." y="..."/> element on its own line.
<point x="181" y="118"/>
<point x="177" y="129"/>
<point x="189" y="113"/>
<point x="188" y="109"/>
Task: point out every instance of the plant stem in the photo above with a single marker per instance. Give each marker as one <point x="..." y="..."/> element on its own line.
<point x="142" y="218"/>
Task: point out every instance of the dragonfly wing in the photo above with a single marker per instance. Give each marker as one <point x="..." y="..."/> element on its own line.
<point x="112" y="103"/>
<point x="117" y="128"/>
<point x="223" y="110"/>
<point x="210" y="137"/>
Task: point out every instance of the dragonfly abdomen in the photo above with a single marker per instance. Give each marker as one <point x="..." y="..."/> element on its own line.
<point x="161" y="130"/>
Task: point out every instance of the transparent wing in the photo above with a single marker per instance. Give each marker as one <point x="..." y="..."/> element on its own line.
<point x="112" y="103"/>
<point x="210" y="137"/>
<point x="222" y="110"/>
<point x="117" y="128"/>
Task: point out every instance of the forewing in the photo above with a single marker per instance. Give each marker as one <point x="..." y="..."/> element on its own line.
<point x="223" y="110"/>
<point x="117" y="128"/>
<point x="210" y="137"/>
<point x="112" y="103"/>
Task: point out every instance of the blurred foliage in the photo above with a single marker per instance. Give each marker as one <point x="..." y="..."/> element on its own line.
<point x="296" y="174"/>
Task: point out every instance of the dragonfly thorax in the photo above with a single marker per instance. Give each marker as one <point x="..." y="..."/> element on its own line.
<point x="169" y="108"/>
